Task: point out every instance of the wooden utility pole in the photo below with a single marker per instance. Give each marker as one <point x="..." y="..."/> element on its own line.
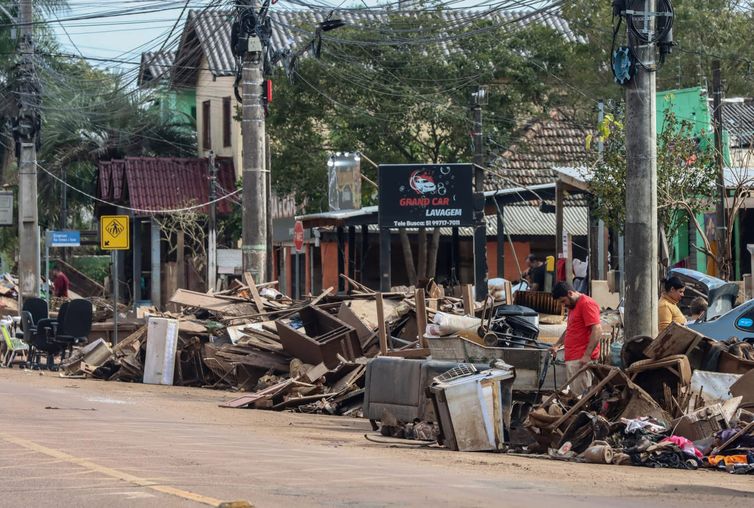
<point x="212" y="235"/>
<point x="480" y="230"/>
<point x="641" y="240"/>
<point x="717" y="122"/>
<point x="26" y="134"/>
<point x="255" y="206"/>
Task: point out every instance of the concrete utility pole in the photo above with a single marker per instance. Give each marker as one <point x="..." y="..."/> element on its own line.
<point x="717" y="122"/>
<point x="212" y="234"/>
<point x="641" y="181"/>
<point x="480" y="232"/>
<point x="254" y="221"/>
<point x="26" y="130"/>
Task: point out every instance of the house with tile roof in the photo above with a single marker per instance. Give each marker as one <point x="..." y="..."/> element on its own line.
<point x="205" y="64"/>
<point x="176" y="105"/>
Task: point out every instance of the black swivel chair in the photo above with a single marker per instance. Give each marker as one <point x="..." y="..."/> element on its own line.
<point x="37" y="309"/>
<point x="44" y="339"/>
<point x="75" y="324"/>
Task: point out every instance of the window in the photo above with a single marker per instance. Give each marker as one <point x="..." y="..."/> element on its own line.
<point x="227" y="119"/>
<point x="206" y="125"/>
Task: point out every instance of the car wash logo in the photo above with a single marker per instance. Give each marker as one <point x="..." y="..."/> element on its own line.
<point x="430" y="192"/>
<point x="422" y="182"/>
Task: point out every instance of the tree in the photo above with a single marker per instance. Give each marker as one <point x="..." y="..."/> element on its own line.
<point x="702" y="32"/>
<point x="686" y="173"/>
<point x="408" y="101"/>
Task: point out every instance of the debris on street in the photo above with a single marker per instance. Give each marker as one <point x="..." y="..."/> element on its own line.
<point x="427" y="368"/>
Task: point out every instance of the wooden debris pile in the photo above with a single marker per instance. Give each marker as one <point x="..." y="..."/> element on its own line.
<point x="307" y="355"/>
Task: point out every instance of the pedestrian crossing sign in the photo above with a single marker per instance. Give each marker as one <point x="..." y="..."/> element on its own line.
<point x="114" y="232"/>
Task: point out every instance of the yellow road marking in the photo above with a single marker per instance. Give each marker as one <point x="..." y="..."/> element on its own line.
<point x="108" y="471"/>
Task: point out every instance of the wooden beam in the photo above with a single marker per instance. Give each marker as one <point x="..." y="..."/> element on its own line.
<point x="249" y="279"/>
<point x="409" y="353"/>
<point x="382" y="331"/>
<point x="421" y="318"/>
<point x="468" y="299"/>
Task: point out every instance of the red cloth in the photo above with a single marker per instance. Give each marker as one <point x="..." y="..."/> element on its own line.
<point x="560" y="270"/>
<point x="581" y="318"/>
<point x="61" y="284"/>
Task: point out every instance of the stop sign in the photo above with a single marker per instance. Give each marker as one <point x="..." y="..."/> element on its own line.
<point x="298" y="236"/>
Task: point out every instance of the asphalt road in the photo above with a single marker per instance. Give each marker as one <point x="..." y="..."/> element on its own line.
<point x="84" y="443"/>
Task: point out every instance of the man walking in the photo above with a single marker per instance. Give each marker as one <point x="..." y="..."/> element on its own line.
<point x="582" y="335"/>
<point x="60" y="283"/>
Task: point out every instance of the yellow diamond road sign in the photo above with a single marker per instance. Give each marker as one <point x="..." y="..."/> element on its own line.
<point x="114" y="232"/>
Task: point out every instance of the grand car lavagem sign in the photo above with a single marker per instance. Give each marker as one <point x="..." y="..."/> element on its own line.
<point x="425" y="195"/>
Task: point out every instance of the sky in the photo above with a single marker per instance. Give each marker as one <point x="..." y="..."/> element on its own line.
<point x="125" y="37"/>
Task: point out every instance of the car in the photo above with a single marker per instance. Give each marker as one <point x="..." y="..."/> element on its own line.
<point x="737" y="322"/>
<point x="424" y="185"/>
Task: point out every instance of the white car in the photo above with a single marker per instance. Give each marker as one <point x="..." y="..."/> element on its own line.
<point x="424" y="186"/>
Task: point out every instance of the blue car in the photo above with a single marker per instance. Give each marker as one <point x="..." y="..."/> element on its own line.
<point x="737" y="322"/>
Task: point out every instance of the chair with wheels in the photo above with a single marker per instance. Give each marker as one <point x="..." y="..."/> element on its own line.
<point x="74" y="327"/>
<point x="43" y="339"/>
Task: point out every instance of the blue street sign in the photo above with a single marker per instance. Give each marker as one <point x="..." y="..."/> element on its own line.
<point x="65" y="238"/>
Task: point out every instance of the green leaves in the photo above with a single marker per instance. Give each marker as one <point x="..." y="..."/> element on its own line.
<point x="685" y="173"/>
<point x="406" y="98"/>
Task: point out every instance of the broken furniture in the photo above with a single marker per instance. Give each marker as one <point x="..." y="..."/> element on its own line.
<point x="666" y="380"/>
<point x="325" y="338"/>
<point x="474" y="409"/>
<point x="534" y="370"/>
<point x="399" y="386"/>
<point x="612" y="396"/>
<point x="674" y="340"/>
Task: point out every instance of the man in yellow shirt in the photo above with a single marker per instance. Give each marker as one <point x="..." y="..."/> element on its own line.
<point x="667" y="308"/>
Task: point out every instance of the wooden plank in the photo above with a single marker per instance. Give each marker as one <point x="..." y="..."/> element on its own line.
<point x="468" y="299"/>
<point x="409" y="353"/>
<point x="421" y="318"/>
<point x="247" y="277"/>
<point x="674" y="340"/>
<point x="322" y="295"/>
<point x="381" y="325"/>
<point x="268" y="392"/>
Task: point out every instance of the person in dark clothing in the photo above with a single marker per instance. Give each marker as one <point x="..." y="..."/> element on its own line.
<point x="535" y="274"/>
<point x="60" y="283"/>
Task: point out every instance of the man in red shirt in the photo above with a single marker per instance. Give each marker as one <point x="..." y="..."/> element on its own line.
<point x="582" y="335"/>
<point x="60" y="283"/>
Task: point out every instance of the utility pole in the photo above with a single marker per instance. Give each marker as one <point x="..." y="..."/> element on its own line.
<point x="254" y="221"/>
<point x="717" y="121"/>
<point x="63" y="198"/>
<point x="478" y="99"/>
<point x="641" y="240"/>
<point x="212" y="235"/>
<point x="25" y="133"/>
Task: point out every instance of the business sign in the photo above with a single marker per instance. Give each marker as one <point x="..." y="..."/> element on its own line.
<point x="6" y="208"/>
<point x="344" y="181"/>
<point x="426" y="195"/>
<point x="298" y="236"/>
<point x="64" y="238"/>
<point x="114" y="232"/>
